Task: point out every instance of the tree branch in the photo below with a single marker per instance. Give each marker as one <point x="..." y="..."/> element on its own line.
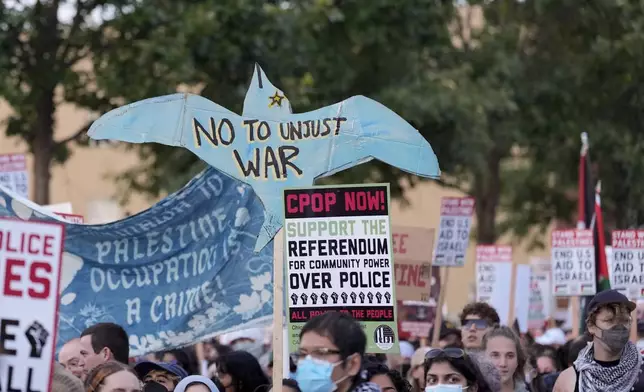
<point x="83" y="130"/>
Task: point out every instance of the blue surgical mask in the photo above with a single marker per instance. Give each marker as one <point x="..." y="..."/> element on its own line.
<point x="445" y="388"/>
<point x="314" y="375"/>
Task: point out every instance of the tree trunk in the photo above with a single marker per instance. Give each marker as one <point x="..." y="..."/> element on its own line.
<point x="487" y="191"/>
<point x="43" y="147"/>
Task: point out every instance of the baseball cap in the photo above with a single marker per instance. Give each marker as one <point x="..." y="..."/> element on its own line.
<point x="609" y="297"/>
<point x="144" y="367"/>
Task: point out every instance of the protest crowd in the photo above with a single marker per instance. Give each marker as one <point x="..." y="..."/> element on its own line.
<point x="479" y="355"/>
<point x="252" y="278"/>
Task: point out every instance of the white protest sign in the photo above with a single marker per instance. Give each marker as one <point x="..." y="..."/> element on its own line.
<point x="627" y="264"/>
<point x="493" y="277"/>
<point x="13" y="173"/>
<point x="522" y="296"/>
<point x="30" y="264"/>
<point x="454" y="231"/>
<point x="540" y="293"/>
<point x="573" y="262"/>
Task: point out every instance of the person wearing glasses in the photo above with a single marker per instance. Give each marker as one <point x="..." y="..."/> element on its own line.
<point x="611" y="362"/>
<point x="330" y="355"/>
<point x="476" y="320"/>
<point x="450" y="370"/>
<point x="503" y="347"/>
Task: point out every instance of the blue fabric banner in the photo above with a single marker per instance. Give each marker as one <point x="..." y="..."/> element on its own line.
<point x="172" y="275"/>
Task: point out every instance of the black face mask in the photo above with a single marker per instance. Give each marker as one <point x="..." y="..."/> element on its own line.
<point x="153" y="386"/>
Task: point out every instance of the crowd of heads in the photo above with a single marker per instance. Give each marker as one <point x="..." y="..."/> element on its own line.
<point x="480" y="355"/>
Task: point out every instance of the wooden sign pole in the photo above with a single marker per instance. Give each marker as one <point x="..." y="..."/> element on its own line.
<point x="513" y="283"/>
<point x="278" y="311"/>
<point x="438" y="319"/>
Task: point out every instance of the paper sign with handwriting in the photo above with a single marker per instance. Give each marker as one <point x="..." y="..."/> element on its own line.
<point x="13" y="173"/>
<point x="173" y="275"/>
<point x="454" y="231"/>
<point x="573" y="262"/>
<point x="493" y="277"/>
<point x="627" y="264"/>
<point x="270" y="148"/>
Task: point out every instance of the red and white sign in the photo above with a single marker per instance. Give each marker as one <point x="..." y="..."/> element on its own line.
<point x="454" y="231"/>
<point x="13" y="173"/>
<point x="626" y="266"/>
<point x="30" y="265"/>
<point x="494" y="277"/>
<point x="573" y="262"/>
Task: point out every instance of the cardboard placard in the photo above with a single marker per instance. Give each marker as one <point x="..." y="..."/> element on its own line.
<point x="413" y="248"/>
<point x="339" y="258"/>
<point x="573" y="263"/>
<point x="267" y="146"/>
<point x="30" y="266"/>
<point x="454" y="231"/>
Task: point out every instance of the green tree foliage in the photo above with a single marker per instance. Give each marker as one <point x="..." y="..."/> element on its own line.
<point x="583" y="73"/>
<point x="41" y="66"/>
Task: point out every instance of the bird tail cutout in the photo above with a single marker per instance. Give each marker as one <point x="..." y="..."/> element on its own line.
<point x="263" y="100"/>
<point x="157" y="120"/>
<point x="386" y="137"/>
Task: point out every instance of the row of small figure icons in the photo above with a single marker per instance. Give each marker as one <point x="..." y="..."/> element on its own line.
<point x="304" y="298"/>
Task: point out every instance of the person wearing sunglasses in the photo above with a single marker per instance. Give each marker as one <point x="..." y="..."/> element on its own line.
<point x="450" y="370"/>
<point x="476" y="320"/>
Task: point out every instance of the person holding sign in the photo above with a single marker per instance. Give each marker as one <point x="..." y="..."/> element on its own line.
<point x="611" y="362"/>
<point x="330" y="355"/>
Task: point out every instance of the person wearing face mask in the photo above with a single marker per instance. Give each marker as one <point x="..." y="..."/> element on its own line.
<point x="450" y="370"/>
<point x="159" y="376"/>
<point x="330" y="355"/>
<point x="610" y="362"/>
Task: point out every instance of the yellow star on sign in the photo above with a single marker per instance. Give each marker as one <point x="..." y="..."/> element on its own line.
<point x="276" y="99"/>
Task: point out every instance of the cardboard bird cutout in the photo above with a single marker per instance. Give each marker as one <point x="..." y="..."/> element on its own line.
<point x="269" y="147"/>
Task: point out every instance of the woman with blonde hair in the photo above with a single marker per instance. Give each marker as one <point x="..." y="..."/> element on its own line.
<point x="503" y="347"/>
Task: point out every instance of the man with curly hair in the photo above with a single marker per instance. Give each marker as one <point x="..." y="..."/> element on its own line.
<point x="476" y="320"/>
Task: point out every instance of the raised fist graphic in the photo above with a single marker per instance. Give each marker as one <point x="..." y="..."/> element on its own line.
<point x="37" y="336"/>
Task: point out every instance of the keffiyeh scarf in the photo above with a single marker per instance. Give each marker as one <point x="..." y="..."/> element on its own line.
<point x="620" y="378"/>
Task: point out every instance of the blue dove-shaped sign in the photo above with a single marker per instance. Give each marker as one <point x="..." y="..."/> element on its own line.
<point x="269" y="147"/>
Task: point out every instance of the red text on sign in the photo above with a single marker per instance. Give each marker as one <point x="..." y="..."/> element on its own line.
<point x="29" y="243"/>
<point x="317" y="202"/>
<point x="36" y="279"/>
